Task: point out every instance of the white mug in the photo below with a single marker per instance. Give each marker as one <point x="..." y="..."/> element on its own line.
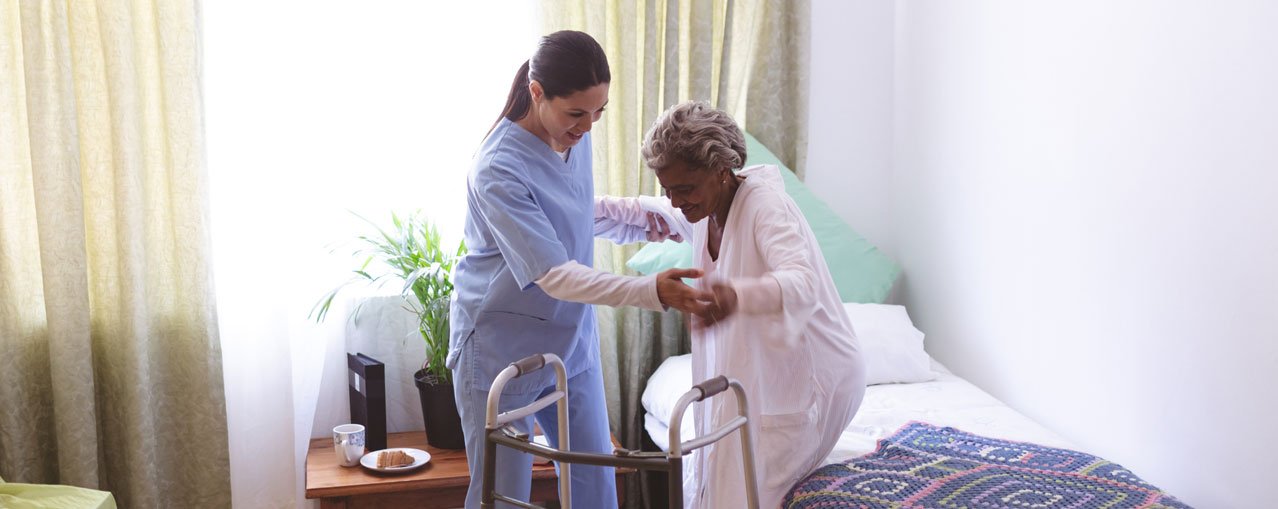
<point x="348" y="442"/>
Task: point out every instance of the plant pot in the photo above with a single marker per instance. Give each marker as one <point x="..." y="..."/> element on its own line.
<point x="439" y="409"/>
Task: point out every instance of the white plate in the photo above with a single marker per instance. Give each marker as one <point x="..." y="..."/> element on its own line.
<point x="420" y="458"/>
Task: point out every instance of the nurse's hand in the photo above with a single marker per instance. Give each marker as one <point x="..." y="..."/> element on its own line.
<point x="674" y="293"/>
<point x="658" y="230"/>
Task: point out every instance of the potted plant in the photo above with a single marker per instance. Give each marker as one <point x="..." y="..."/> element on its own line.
<point x="411" y="252"/>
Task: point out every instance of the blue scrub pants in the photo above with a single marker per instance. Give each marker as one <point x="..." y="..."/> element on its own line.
<point x="592" y="486"/>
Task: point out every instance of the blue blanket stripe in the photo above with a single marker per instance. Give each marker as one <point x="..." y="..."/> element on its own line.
<point x="925" y="466"/>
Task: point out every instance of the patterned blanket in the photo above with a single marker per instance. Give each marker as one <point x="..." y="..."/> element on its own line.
<point x="926" y="466"/>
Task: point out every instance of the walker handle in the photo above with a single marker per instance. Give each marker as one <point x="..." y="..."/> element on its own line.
<point x="529" y="364"/>
<point x="712" y="386"/>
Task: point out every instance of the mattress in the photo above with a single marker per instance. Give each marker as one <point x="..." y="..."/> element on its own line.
<point x="946" y="401"/>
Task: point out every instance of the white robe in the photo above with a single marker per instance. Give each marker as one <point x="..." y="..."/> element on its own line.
<point x="790" y="344"/>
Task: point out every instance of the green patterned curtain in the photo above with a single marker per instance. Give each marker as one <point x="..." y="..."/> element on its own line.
<point x="747" y="57"/>
<point x="110" y="369"/>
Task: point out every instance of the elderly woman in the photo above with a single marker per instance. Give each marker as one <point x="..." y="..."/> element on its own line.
<point x="773" y="318"/>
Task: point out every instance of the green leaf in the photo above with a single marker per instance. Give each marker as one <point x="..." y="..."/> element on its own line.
<point x="410" y="251"/>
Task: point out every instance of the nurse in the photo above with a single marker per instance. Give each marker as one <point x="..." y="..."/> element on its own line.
<point x="526" y="285"/>
<point x="774" y="308"/>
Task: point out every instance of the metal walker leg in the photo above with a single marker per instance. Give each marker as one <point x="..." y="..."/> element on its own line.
<point x="494" y="422"/>
<point x="498" y="432"/>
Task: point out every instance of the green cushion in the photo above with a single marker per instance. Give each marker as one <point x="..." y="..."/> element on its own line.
<point x="860" y="271"/>
<point x="658" y="256"/>
<point x="49" y="496"/>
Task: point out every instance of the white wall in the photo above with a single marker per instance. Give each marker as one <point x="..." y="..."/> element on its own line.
<point x="1082" y="196"/>
<point x="850" y="113"/>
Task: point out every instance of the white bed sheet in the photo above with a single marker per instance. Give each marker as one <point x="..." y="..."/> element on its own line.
<point x="947" y="401"/>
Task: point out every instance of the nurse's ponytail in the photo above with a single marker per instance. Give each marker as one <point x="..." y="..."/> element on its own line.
<point x="566" y="61"/>
<point x="519" y="100"/>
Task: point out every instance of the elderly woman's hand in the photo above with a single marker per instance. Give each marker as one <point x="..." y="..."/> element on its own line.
<point x="719" y="304"/>
<point x="658" y="230"/>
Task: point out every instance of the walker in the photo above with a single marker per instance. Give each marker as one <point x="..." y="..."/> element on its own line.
<point x="497" y="430"/>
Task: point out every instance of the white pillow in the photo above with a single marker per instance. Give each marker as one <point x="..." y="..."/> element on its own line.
<point x="670" y="381"/>
<point x="891" y="346"/>
<point x="660" y="433"/>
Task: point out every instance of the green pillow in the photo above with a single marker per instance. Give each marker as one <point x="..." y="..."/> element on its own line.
<point x="860" y="271"/>
<point x="658" y="256"/>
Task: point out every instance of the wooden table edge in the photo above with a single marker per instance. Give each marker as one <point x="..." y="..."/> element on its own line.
<point x="410" y="481"/>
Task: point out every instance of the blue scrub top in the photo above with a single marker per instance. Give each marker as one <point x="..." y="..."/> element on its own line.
<point x="529" y="210"/>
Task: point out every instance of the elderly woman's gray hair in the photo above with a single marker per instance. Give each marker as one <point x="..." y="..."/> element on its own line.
<point x="697" y="135"/>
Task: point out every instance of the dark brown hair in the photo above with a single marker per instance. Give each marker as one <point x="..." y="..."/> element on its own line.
<point x="566" y="61"/>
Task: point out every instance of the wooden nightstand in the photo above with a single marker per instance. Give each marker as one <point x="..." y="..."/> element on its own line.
<point x="441" y="484"/>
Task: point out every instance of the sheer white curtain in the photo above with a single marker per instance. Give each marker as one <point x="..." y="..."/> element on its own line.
<point x="316" y="109"/>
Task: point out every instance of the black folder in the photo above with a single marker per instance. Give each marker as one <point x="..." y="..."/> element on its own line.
<point x="368" y="398"/>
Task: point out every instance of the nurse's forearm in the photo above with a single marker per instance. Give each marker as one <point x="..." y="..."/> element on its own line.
<point x="620" y="209"/>
<point x="575" y="282"/>
<point x="618" y="232"/>
<point x="634" y="211"/>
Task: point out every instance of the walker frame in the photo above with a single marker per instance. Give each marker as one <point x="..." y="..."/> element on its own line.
<point x="498" y="431"/>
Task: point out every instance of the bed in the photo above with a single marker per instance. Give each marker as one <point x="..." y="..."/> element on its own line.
<point x="915" y="412"/>
<point x="925" y="437"/>
<point x="948" y="400"/>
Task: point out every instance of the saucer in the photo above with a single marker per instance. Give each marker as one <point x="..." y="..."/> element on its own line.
<point x="420" y="458"/>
